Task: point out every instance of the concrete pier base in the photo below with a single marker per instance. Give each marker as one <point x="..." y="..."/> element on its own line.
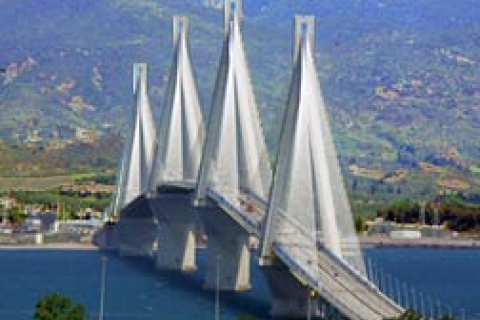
<point x="107" y="237"/>
<point x="290" y="298"/>
<point x="228" y="252"/>
<point x="176" y="234"/>
<point x="137" y="229"/>
<point x="176" y="247"/>
<point x="136" y="237"/>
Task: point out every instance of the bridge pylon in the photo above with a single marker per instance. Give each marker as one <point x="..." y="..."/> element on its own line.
<point x="235" y="161"/>
<point x="308" y="208"/>
<point x="136" y="227"/>
<point x="177" y="159"/>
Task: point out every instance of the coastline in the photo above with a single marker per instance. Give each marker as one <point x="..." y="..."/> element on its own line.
<point x="440" y="243"/>
<point x="365" y="242"/>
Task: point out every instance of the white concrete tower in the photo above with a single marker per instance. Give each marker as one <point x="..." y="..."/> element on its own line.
<point x="308" y="206"/>
<point x="181" y="129"/>
<point x="235" y="161"/>
<point x="135" y="170"/>
<point x="140" y="143"/>
<point x="177" y="160"/>
<point x="235" y="154"/>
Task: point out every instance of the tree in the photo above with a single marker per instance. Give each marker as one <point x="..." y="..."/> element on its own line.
<point x="58" y="307"/>
<point x="16" y="215"/>
<point x="360" y="224"/>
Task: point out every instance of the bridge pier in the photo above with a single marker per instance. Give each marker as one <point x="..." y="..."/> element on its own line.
<point x="228" y="251"/>
<point x="137" y="237"/>
<point x="290" y="298"/>
<point x="177" y="229"/>
<point x="107" y="237"/>
<point x="137" y="229"/>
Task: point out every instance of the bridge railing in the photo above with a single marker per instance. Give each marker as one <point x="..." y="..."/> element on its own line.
<point x="361" y="278"/>
<point x="255" y="197"/>
<point x="297" y="231"/>
<point x="298" y="270"/>
<point x="411" y="297"/>
<point x="188" y="184"/>
<point x="313" y="282"/>
<point x="248" y="222"/>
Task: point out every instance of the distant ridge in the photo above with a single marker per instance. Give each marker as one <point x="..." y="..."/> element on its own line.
<point x="401" y="86"/>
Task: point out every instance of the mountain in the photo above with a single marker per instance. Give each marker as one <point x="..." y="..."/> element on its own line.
<point x="401" y="78"/>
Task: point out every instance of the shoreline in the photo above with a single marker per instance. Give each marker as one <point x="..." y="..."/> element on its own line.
<point x="435" y="243"/>
<point x="364" y="241"/>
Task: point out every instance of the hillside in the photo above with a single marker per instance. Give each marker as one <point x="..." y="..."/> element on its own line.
<point x="401" y="78"/>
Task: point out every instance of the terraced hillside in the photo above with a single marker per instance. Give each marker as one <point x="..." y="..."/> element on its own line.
<point x="401" y="78"/>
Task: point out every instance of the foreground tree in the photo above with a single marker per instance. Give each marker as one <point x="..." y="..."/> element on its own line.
<point x="58" y="307"/>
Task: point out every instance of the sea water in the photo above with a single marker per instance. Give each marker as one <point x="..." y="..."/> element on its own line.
<point x="135" y="290"/>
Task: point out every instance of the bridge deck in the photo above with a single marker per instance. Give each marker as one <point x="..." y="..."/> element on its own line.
<point x="246" y="209"/>
<point x="353" y="290"/>
<point x="351" y="293"/>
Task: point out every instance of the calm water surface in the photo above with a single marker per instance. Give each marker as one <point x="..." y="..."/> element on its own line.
<point x="136" y="291"/>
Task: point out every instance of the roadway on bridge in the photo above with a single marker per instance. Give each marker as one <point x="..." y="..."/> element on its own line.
<point x="354" y="295"/>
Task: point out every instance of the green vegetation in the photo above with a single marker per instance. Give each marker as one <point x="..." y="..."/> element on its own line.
<point x="69" y="203"/>
<point x="15" y="215"/>
<point x="75" y="161"/>
<point x="359" y="223"/>
<point x="34" y="184"/>
<point x="458" y="212"/>
<point x="58" y="307"/>
<point x="103" y="177"/>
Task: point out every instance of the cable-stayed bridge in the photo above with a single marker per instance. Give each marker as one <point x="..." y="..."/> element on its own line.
<point x="186" y="179"/>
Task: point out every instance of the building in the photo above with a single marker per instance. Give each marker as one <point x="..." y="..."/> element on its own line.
<point x="86" y="135"/>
